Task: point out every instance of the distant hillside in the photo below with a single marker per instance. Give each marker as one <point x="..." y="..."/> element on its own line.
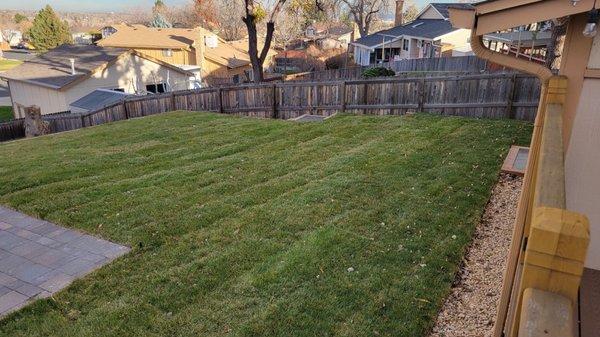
<point x="79" y="22"/>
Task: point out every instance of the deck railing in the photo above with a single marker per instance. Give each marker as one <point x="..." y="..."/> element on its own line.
<point x="549" y="243"/>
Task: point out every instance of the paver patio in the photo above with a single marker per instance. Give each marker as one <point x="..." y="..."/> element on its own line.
<point x="38" y="258"/>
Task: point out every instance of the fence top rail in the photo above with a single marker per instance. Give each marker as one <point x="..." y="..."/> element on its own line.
<point x="398" y="79"/>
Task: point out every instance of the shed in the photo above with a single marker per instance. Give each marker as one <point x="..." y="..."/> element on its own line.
<point x="97" y="99"/>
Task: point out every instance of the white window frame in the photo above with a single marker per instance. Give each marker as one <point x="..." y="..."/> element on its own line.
<point x="167" y="52"/>
<point x="405" y="44"/>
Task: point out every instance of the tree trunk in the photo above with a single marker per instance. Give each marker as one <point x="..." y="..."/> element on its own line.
<point x="257" y="60"/>
<point x="257" y="74"/>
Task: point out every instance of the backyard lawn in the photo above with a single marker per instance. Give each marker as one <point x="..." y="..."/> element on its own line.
<point x="249" y="227"/>
<point x="8" y="64"/>
<point x="6" y="113"/>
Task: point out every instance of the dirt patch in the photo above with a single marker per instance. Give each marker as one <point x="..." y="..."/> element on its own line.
<point x="470" y="310"/>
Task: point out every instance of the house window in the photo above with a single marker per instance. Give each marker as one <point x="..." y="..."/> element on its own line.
<point x="405" y="43"/>
<point x="167" y="52"/>
<point x="156" y="88"/>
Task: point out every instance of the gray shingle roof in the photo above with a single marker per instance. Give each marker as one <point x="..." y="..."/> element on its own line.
<point x="98" y="98"/>
<point x="442" y="7"/>
<point x="425" y="28"/>
<point x="53" y="68"/>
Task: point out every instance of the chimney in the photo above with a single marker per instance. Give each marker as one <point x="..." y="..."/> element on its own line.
<point x="399" y="10"/>
<point x="72" y="66"/>
<point x="200" y="48"/>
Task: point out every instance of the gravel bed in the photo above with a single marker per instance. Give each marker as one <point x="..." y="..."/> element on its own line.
<point x="470" y="310"/>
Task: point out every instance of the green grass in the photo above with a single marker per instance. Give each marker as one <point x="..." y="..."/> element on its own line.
<point x="6" y="113"/>
<point x="8" y="64"/>
<point x="247" y="227"/>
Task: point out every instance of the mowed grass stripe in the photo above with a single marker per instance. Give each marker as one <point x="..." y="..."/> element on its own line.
<point x="258" y="241"/>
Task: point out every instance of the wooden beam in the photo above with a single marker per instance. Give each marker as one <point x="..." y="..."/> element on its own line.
<point x="513" y="16"/>
<point x="545" y="314"/>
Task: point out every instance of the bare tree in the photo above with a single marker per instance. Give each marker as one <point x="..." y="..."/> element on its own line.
<point x="290" y="27"/>
<point x="254" y="13"/>
<point x="229" y="13"/>
<point x="410" y="11"/>
<point x="364" y="12"/>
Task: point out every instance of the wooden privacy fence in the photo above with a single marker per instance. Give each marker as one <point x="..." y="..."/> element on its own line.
<point x="439" y="66"/>
<point x="490" y="96"/>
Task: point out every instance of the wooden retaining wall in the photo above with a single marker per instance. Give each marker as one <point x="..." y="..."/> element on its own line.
<point x="512" y="96"/>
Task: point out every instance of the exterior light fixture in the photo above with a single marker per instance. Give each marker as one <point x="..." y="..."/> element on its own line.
<point x="591" y="27"/>
<point x="574" y="2"/>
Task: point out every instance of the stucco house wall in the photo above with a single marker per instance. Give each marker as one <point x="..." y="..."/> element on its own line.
<point x="582" y="161"/>
<point x="457" y="38"/>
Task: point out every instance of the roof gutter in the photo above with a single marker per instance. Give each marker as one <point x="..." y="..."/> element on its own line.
<point x="462" y="18"/>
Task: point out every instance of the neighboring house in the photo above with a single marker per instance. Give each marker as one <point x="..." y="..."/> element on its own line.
<point x="85" y="38"/>
<point x="97" y="99"/>
<point x="13" y="37"/>
<point x="295" y="61"/>
<point x="328" y="36"/>
<point x="430" y="35"/>
<point x="211" y="55"/>
<point x="242" y="45"/>
<point x="55" y="79"/>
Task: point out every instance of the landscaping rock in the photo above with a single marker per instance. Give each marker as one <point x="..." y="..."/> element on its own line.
<point x="470" y="310"/>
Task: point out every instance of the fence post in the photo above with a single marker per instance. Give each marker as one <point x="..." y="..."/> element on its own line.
<point x="275" y="101"/>
<point x="511" y="97"/>
<point x="365" y="91"/>
<point x="421" y="94"/>
<point x="342" y="95"/>
<point x="125" y="109"/>
<point x="315" y="99"/>
<point x="173" y="105"/>
<point x="220" y="99"/>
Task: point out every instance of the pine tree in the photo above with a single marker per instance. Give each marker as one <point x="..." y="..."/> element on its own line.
<point x="159" y="21"/>
<point x="48" y="31"/>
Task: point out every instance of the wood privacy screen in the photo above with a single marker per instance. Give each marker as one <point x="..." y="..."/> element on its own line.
<point x="513" y="96"/>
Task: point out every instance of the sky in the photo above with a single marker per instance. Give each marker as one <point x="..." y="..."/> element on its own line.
<point x="98" y="5"/>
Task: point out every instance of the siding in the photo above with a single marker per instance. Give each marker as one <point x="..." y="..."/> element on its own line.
<point x="25" y="94"/>
<point x="127" y="73"/>
<point x="457" y="38"/>
<point x="430" y="13"/>
<point x="180" y="56"/>
<point x="582" y="161"/>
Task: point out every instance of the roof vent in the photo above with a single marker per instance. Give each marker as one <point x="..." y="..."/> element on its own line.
<point x="72" y="66"/>
<point x="417" y="24"/>
<point x="211" y="41"/>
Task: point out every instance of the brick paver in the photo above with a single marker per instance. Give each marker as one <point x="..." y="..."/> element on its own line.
<point x="39" y="258"/>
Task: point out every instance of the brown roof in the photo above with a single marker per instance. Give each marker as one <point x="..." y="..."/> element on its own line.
<point x="137" y="36"/>
<point x="53" y="68"/>
<point x="243" y="45"/>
